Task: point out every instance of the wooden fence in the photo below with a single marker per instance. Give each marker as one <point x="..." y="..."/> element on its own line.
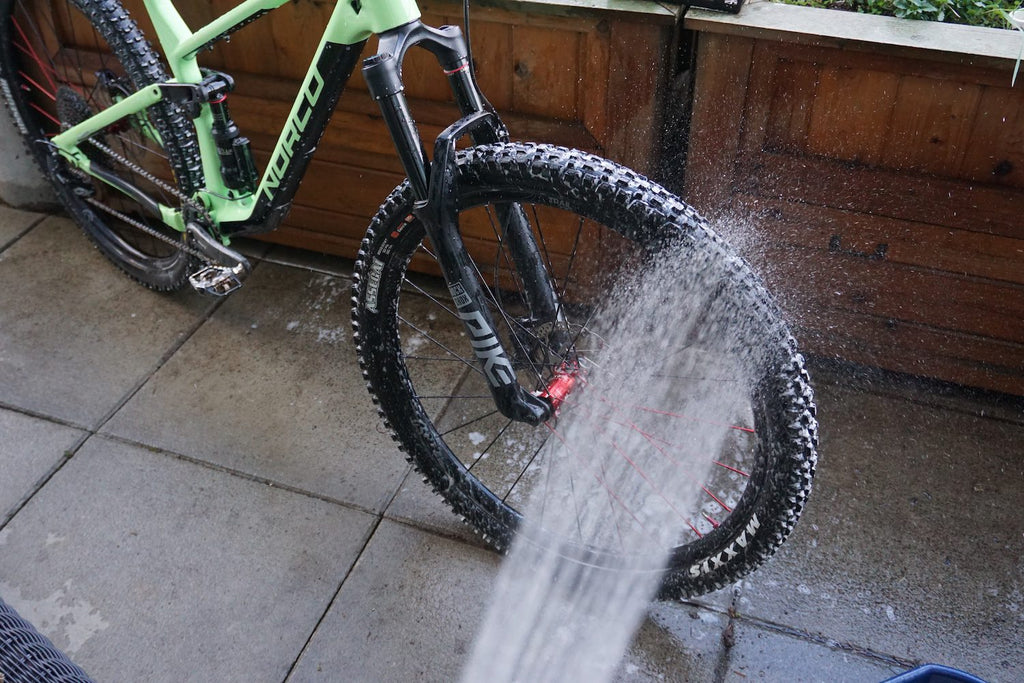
<point x="876" y="178"/>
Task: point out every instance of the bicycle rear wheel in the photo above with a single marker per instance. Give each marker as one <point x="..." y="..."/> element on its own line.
<point x="629" y="456"/>
<point x="61" y="62"/>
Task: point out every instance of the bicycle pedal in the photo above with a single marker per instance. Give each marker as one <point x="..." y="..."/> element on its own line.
<point x="215" y="280"/>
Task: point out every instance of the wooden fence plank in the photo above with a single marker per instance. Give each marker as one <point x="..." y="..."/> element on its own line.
<point x="812" y="283"/>
<point x="922" y="245"/>
<point x="545" y="71"/>
<point x="931" y="125"/>
<point x="723" y="67"/>
<point x="926" y="199"/>
<point x="851" y="113"/>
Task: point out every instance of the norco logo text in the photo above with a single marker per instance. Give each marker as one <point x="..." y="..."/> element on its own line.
<point x="497" y="367"/>
<point x="734" y="549"/>
<point x="297" y="123"/>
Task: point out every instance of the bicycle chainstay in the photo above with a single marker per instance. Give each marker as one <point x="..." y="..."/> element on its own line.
<point x="186" y="201"/>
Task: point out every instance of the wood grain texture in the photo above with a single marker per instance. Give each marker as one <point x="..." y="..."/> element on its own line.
<point x="880" y="196"/>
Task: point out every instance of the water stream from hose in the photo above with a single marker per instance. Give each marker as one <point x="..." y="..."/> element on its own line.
<point x="618" y="479"/>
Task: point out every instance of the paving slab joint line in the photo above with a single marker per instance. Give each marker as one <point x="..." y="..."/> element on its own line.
<point x="831" y="643"/>
<point x="93" y="430"/>
<point x="44" y="480"/>
<point x="284" y="262"/>
<point x="380" y="515"/>
<point x="172" y="349"/>
<point x="46" y="417"/>
<point x="728" y="639"/>
<point x="11" y="242"/>
<point x="247" y="476"/>
<point x="341" y="584"/>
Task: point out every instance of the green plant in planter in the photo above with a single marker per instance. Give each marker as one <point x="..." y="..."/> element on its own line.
<point x="991" y="13"/>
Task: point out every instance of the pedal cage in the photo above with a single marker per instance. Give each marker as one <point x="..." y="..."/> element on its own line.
<point x="215" y="280"/>
<point x="225" y="269"/>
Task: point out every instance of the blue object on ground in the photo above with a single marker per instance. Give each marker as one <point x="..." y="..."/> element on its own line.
<point x="27" y="656"/>
<point x="935" y="673"/>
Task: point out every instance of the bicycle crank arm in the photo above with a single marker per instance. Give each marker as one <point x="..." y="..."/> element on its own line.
<point x="439" y="217"/>
<point x="228" y="271"/>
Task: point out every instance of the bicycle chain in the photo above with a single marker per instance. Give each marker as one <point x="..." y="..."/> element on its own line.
<point x="170" y="189"/>
<point x="135" y="223"/>
<point x="186" y="201"/>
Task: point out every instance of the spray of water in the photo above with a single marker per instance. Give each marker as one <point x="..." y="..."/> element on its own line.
<point x="616" y="479"/>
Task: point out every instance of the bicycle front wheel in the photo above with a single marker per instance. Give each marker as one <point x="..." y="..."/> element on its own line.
<point x="60" y="63"/>
<point x="619" y="460"/>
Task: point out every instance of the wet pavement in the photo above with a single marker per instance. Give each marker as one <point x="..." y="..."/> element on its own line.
<point x="201" y="490"/>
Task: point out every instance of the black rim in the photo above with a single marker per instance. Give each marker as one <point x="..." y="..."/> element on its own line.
<point x="61" y="70"/>
<point x="727" y="497"/>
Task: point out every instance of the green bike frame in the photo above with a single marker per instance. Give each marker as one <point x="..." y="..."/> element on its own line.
<point x="433" y="183"/>
<point x="350" y="24"/>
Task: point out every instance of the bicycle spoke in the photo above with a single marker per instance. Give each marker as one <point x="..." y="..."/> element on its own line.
<point x="445" y="348"/>
<point x="651" y="451"/>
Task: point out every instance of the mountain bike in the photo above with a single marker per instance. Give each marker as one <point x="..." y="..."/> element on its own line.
<point x="144" y="155"/>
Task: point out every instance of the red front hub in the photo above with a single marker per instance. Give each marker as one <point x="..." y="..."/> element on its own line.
<point x="561" y="385"/>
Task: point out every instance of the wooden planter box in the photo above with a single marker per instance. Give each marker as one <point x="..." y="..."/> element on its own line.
<point x="581" y="74"/>
<point x="874" y="170"/>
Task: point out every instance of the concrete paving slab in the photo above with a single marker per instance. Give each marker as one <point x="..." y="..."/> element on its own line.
<point x="418" y="505"/>
<point x="414" y="601"/>
<point x="270" y="386"/>
<point x="21" y="181"/>
<point x="309" y="260"/>
<point x="760" y="654"/>
<point x="75" y="334"/>
<point x="912" y="541"/>
<point x="145" y="567"/>
<point x="408" y="611"/>
<point x="675" y="643"/>
<point x="14" y="222"/>
<point x="29" y="451"/>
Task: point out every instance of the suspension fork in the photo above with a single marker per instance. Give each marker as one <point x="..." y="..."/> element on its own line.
<point x="434" y="187"/>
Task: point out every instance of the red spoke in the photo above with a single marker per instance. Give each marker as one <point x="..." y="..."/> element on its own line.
<point x="34" y="55"/>
<point x="731" y="469"/>
<point x="600" y="481"/>
<point x="694" y="419"/>
<point x="666" y="413"/>
<point x="724" y="506"/>
<point x="653" y="441"/>
<point x="49" y="70"/>
<point x="646" y="435"/>
<point x="660" y="445"/>
<point x="681" y="416"/>
<point x="643" y="474"/>
<point x="41" y="89"/>
<point x="654" y="486"/>
<point x="44" y="112"/>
